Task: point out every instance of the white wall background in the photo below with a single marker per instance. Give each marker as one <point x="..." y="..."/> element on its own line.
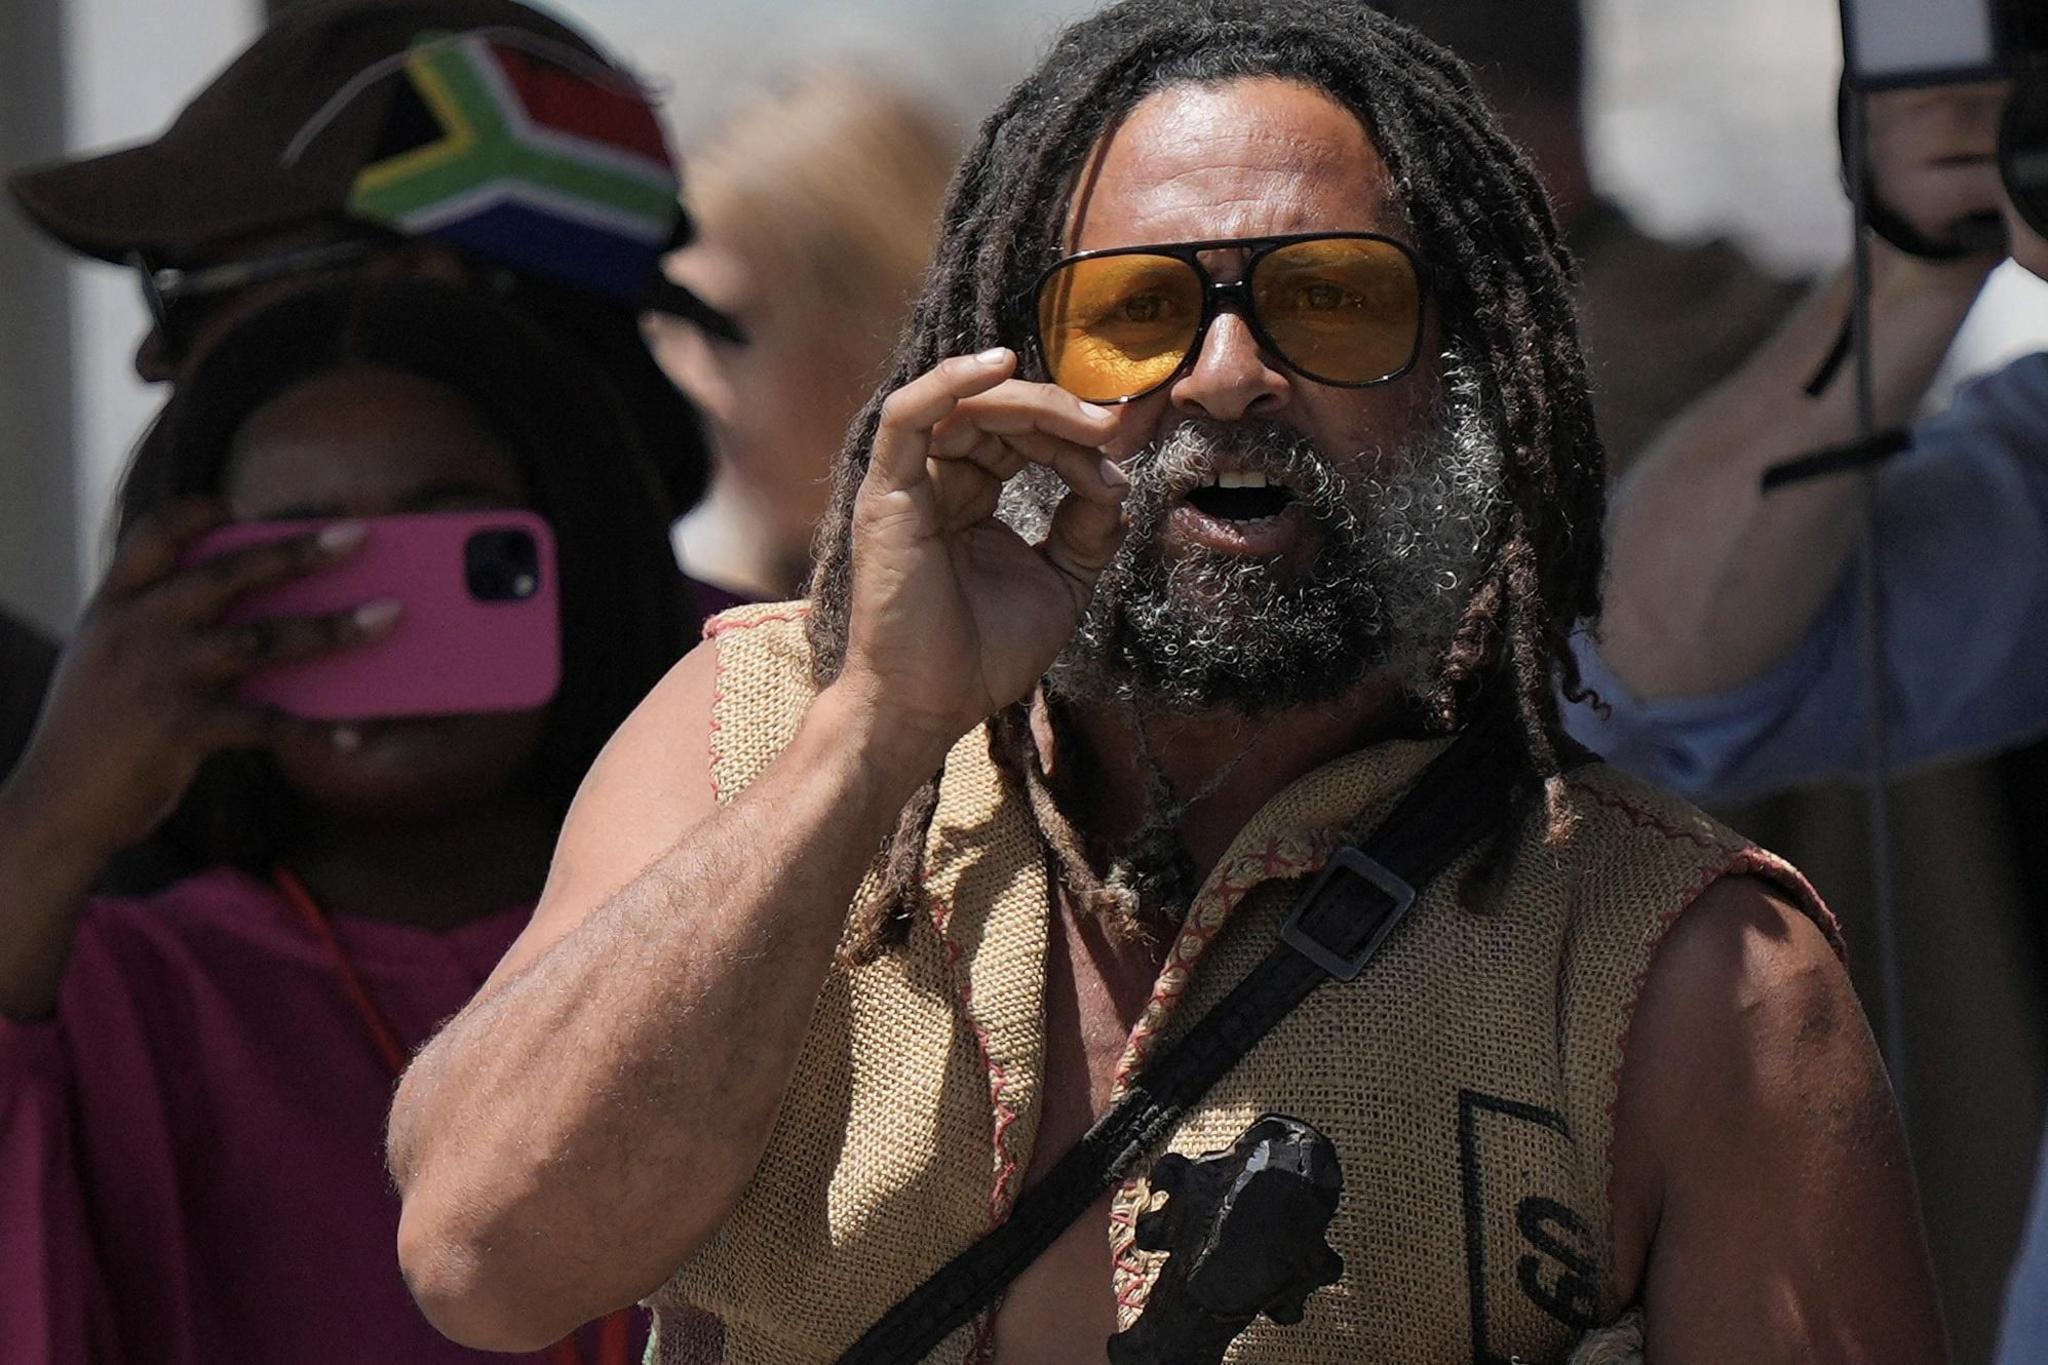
<point x="132" y="64"/>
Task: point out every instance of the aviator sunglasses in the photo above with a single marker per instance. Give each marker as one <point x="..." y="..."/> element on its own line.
<point x="1340" y="308"/>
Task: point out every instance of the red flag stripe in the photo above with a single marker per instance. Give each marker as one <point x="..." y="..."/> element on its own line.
<point x="557" y="100"/>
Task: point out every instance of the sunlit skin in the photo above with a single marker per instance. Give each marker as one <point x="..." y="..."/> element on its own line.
<point x="411" y="812"/>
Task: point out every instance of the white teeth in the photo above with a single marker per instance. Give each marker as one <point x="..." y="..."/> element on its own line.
<point x="1240" y="479"/>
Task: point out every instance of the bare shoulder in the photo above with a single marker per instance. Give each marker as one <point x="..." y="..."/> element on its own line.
<point x="649" y="786"/>
<point x="1764" y="1206"/>
<point x="1743" y="970"/>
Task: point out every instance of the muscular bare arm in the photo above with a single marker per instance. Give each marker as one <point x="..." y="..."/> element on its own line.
<point x="1709" y="581"/>
<point x="593" y="1115"/>
<point x="595" y="1112"/>
<point x="1764" y="1203"/>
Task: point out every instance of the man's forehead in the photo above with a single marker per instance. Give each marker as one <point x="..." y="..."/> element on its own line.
<point x="1240" y="158"/>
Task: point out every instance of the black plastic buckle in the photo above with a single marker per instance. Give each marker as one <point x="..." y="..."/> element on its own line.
<point x="1348" y="862"/>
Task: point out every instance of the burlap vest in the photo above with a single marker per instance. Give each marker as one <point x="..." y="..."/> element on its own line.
<point x="1467" y="1079"/>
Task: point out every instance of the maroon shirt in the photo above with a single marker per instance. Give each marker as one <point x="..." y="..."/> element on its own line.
<point x="192" y="1150"/>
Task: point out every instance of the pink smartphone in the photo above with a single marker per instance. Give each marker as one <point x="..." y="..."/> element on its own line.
<point x="481" y="629"/>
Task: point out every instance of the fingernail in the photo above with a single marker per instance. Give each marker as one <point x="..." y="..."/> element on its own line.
<point x="1096" y="411"/>
<point x="994" y="355"/>
<point x="342" y="535"/>
<point x="345" y="738"/>
<point x="376" y="615"/>
<point x="1113" y="474"/>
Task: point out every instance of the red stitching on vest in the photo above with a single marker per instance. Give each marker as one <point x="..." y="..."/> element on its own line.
<point x="1003" y="1197"/>
<point x="1643" y="819"/>
<point x="982" y="1350"/>
<point x="730" y="620"/>
<point x="1244" y="875"/>
<point x="713" y="628"/>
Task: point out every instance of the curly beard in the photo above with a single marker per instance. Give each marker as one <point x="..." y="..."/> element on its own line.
<point x="1398" y="542"/>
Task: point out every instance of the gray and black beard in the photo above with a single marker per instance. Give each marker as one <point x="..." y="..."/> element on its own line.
<point x="1397" y="542"/>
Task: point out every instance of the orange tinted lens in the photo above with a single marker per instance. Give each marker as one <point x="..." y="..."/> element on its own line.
<point x="1115" y="326"/>
<point x="1344" y="310"/>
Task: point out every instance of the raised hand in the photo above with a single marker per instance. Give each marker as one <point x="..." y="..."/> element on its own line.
<point x="143" y="695"/>
<point x="954" y="616"/>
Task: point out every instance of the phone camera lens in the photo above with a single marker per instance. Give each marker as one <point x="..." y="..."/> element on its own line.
<point x="502" y="566"/>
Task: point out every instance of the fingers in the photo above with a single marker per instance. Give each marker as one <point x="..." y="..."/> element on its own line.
<point x="968" y="408"/>
<point x="201" y="593"/>
<point x="233" y="651"/>
<point x="1082" y="541"/>
<point x="967" y="494"/>
<point x="903" y="440"/>
<point x="1020" y="410"/>
<point x="151" y="551"/>
<point x="1083" y="468"/>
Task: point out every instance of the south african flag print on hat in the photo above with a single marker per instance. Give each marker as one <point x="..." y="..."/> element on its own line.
<point x="525" y="162"/>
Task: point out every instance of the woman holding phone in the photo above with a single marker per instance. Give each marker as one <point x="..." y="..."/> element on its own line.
<point x="193" y="1082"/>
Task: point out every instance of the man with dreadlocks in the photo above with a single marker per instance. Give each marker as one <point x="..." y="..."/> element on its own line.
<point x="1095" y="677"/>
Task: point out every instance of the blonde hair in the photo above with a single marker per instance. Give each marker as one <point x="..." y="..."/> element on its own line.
<point x="833" y="181"/>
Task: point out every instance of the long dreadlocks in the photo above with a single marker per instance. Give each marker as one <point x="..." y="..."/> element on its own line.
<point x="1501" y="278"/>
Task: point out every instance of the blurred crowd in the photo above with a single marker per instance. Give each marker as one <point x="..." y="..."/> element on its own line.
<point x="231" y="918"/>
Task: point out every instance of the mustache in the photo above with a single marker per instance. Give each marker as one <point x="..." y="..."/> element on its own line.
<point x="1194" y="452"/>
<point x="1199" y="449"/>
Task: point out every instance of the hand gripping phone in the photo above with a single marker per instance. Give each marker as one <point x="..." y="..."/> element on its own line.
<point x="480" y="630"/>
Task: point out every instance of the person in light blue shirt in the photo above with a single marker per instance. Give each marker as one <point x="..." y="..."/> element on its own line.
<point x="1963" y="569"/>
<point x="1729" y="660"/>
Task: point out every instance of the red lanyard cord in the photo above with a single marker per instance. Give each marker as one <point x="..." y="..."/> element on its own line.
<point x="382" y="1035"/>
<point x="614" y="1332"/>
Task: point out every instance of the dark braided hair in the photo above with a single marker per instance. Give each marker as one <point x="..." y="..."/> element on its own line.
<point x="1501" y="278"/>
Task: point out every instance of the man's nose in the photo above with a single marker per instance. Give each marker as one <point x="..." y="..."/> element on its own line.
<point x="1233" y="377"/>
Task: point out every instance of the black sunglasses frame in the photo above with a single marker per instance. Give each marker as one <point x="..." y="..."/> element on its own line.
<point x="1237" y="292"/>
<point x="166" y="288"/>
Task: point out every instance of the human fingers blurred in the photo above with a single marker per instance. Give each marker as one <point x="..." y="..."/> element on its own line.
<point x="152" y="551"/>
<point x="232" y="651"/>
<point x="202" y="592"/>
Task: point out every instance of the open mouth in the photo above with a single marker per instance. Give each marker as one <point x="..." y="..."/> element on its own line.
<point x="1240" y="495"/>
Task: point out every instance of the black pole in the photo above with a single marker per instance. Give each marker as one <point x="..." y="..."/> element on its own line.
<point x="1877" y="755"/>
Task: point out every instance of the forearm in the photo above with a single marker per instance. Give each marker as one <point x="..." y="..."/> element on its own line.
<point x="48" y="871"/>
<point x="1710" y="581"/>
<point x="578" y="1130"/>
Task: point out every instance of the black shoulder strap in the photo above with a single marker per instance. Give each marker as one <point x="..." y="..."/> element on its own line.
<point x="1332" y="931"/>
